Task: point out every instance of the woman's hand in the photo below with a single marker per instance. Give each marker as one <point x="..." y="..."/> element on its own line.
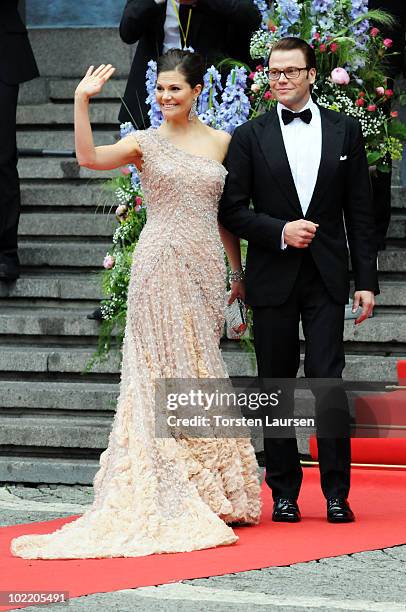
<point x="93" y="81"/>
<point x="237" y="290"/>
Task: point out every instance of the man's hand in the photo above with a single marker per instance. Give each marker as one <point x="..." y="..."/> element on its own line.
<point x="300" y="233"/>
<point x="366" y="299"/>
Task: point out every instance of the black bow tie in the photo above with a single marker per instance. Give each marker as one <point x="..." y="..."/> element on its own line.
<point x="288" y="116"/>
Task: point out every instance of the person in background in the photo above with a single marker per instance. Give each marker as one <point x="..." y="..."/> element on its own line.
<point x="210" y="27"/>
<point x="17" y="64"/>
<point x="381" y="181"/>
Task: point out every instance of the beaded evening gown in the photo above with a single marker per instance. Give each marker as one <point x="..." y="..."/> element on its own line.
<point x="166" y="495"/>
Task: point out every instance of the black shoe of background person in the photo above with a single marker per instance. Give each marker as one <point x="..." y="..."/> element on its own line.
<point x="9" y="270"/>
<point x="339" y="511"/>
<point x="96" y="315"/>
<point x="285" y="511"/>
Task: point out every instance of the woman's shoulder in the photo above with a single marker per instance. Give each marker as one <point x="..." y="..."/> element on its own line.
<point x="222" y="140"/>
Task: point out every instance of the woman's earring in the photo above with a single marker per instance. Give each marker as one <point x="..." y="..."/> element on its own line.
<point x="193" y="110"/>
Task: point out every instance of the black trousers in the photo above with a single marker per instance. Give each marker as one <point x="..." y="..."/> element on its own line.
<point x="9" y="182"/>
<point x="277" y="347"/>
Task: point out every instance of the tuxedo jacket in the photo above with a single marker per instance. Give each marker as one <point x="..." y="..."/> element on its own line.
<point x="218" y="29"/>
<point x="17" y="62"/>
<point x="259" y="171"/>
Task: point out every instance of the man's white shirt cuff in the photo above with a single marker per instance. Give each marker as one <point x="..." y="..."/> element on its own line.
<point x="283" y="243"/>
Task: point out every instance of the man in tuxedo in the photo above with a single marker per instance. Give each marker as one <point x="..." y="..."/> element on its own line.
<point x="208" y="26"/>
<point x="304" y="167"/>
<point x="17" y="64"/>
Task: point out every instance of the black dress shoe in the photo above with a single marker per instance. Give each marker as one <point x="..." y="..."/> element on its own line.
<point x="339" y="511"/>
<point x="97" y="314"/>
<point x="285" y="511"/>
<point x="9" y="271"/>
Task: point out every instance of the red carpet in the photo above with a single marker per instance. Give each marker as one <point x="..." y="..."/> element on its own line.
<point x="268" y="544"/>
<point x="385" y="451"/>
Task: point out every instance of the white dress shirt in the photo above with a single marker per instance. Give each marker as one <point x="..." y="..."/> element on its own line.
<point x="303" y="148"/>
<point x="171" y="27"/>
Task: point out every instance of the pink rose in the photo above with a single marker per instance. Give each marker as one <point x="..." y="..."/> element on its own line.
<point x="361" y="94"/>
<point x="380" y="91"/>
<point x="268" y="95"/>
<point x="371" y="108"/>
<point x="259" y="68"/>
<point x="137" y="208"/>
<point x="388" y="93"/>
<point x="316" y="36"/>
<point x="255" y="88"/>
<point x="360" y="102"/>
<point x="394" y="114"/>
<point x="138" y="200"/>
<point x="374" y="32"/>
<point x="340" y="76"/>
<point x="333" y="47"/>
<point x="251" y="76"/>
<point x="322" y="48"/>
<point x="108" y="262"/>
<point x="388" y="42"/>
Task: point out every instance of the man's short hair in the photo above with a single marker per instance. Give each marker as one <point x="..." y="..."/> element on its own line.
<point x="289" y="43"/>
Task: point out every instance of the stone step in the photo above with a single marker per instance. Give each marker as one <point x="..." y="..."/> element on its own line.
<point x="61" y="287"/>
<point x="64" y="89"/>
<point x="64" y="396"/>
<point x="48" y="470"/>
<point x="67" y="224"/>
<point x="87" y="286"/>
<point x="393" y="293"/>
<point x="103" y="113"/>
<point x="392" y="260"/>
<point x="59" y="195"/>
<point x="63" y="254"/>
<point x="67" y="432"/>
<point x="71" y="361"/>
<point x="60" y="139"/>
<point x="21" y="321"/>
<point x="30" y="168"/>
<point x="398" y="197"/>
<point x="90" y="224"/>
<point x="397" y="227"/>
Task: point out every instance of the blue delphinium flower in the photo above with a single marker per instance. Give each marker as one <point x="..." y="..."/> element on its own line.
<point x="289" y="13"/>
<point x="235" y="106"/>
<point x="126" y="128"/>
<point x="360" y="29"/>
<point x="208" y="100"/>
<point x="263" y="8"/>
<point x="154" y="113"/>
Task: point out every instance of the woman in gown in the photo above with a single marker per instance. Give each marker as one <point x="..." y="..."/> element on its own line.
<point x="170" y="494"/>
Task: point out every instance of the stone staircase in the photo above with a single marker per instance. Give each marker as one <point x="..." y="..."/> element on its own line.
<point x="54" y="419"/>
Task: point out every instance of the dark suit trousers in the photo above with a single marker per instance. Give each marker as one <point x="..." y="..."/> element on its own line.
<point x="9" y="182"/>
<point x="277" y="347"/>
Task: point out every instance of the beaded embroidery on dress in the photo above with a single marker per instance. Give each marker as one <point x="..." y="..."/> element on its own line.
<point x="166" y="495"/>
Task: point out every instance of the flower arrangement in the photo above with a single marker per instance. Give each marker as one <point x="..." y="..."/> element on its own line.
<point x="351" y="79"/>
<point x="350" y="58"/>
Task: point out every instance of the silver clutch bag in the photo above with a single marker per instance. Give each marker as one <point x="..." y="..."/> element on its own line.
<point x="236" y="318"/>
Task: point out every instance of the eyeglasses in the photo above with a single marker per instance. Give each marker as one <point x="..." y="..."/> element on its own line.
<point x="290" y="73"/>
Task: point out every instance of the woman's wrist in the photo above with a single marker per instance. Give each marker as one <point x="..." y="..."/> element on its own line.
<point x="237" y="275"/>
